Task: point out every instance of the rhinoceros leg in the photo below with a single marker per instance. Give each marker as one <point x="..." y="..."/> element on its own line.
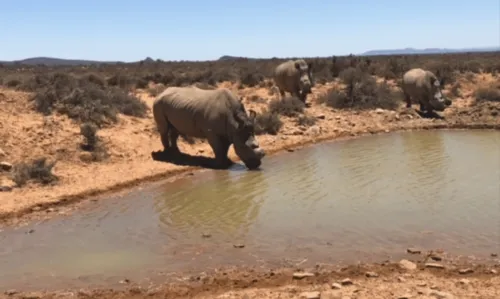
<point x="220" y="147"/>
<point x="173" y="136"/>
<point x="407" y="100"/>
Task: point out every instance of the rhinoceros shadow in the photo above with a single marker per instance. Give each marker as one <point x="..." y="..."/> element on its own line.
<point x="183" y="159"/>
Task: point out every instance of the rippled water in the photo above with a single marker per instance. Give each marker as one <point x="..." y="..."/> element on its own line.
<point x="363" y="199"/>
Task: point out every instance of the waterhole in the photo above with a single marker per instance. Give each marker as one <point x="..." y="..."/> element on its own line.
<point x="365" y="199"/>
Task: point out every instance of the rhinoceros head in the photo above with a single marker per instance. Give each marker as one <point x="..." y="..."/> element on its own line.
<point x="244" y="141"/>
<point x="305" y="75"/>
<point x="438" y="101"/>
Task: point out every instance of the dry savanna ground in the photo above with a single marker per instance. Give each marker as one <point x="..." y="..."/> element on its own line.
<point x="70" y="132"/>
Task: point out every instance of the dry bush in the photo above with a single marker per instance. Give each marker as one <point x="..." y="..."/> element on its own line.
<point x="361" y="92"/>
<point x="267" y="123"/>
<point x="306" y="120"/>
<point x="37" y="170"/>
<point x="84" y="100"/>
<point x="92" y="142"/>
<point x="156" y="89"/>
<point x="288" y="106"/>
<point x="490" y="93"/>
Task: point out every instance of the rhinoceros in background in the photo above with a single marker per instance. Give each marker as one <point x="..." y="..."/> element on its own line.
<point x="295" y="77"/>
<point x="216" y="115"/>
<point x="423" y="86"/>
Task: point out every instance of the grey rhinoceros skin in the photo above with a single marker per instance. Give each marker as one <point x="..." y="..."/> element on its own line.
<point x="217" y="115"/>
<point x="294" y="77"/>
<point x="424" y="87"/>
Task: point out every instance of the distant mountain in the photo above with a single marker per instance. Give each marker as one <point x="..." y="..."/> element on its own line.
<point x="428" y="51"/>
<point x="49" y="61"/>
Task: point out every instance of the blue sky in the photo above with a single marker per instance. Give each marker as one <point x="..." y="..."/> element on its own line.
<point x="199" y="30"/>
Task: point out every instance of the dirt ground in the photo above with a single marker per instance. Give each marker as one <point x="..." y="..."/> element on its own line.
<point x="26" y="134"/>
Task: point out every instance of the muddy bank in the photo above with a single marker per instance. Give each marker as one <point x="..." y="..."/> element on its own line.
<point x="418" y="276"/>
<point x="132" y="140"/>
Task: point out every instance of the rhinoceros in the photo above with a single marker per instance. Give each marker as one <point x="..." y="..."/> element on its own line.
<point x="216" y="115"/>
<point x="294" y="77"/>
<point x="423" y="86"/>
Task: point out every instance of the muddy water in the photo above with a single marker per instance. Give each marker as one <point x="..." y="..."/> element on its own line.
<point x="365" y="199"/>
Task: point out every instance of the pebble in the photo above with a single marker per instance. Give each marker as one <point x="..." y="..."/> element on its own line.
<point x="300" y="275"/>
<point x="436" y="258"/>
<point x="10" y="292"/>
<point x="493" y="271"/>
<point x="379" y="111"/>
<point x="310" y="295"/>
<point x="406" y="264"/>
<point x="6" y="166"/>
<point x="346" y="282"/>
<point x="124" y="281"/>
<point x="466" y="271"/>
<point x="238" y="245"/>
<point x="413" y="251"/>
<point x="464" y="281"/>
<point x="441" y="295"/>
<point x="371" y="274"/>
<point x="401" y="279"/>
<point x="321" y="116"/>
<point x="434" y="265"/>
<point x="405" y="296"/>
<point x="206" y="235"/>
<point x="494" y="255"/>
<point x="336" y="286"/>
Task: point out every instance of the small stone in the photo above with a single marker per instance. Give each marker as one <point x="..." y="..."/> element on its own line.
<point x="494" y="255"/>
<point x="413" y="251"/>
<point x="346" y="282"/>
<point x="5" y="166"/>
<point x="124" y="281"/>
<point x="405" y="296"/>
<point x="336" y="286"/>
<point x="206" y="235"/>
<point x="493" y="271"/>
<point x="338" y="117"/>
<point x="238" y="245"/>
<point x="379" y="111"/>
<point x="10" y="292"/>
<point x="300" y="275"/>
<point x="406" y="264"/>
<point x="464" y="281"/>
<point x="436" y="258"/>
<point x="434" y="265"/>
<point x="421" y="284"/>
<point x="5" y="188"/>
<point x="466" y="271"/>
<point x="310" y="295"/>
<point x="371" y="274"/>
<point x="291" y="150"/>
<point x="401" y="279"/>
<point x="441" y="295"/>
<point x="321" y="116"/>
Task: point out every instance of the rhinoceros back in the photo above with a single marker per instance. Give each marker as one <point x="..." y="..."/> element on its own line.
<point x="194" y="111"/>
<point x="286" y="76"/>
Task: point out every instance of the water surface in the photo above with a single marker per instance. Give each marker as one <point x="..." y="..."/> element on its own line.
<point x="365" y="199"/>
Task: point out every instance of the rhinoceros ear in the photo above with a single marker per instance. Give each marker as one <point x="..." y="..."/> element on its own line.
<point x="310" y="66"/>
<point x="297" y="65"/>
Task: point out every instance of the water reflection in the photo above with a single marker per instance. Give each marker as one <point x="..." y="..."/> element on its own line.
<point x="225" y="201"/>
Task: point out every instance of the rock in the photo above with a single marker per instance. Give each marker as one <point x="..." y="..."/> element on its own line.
<point x="441" y="295"/>
<point x="405" y="296"/>
<point x="321" y="116"/>
<point x="5" y="166"/>
<point x="401" y="279"/>
<point x="238" y="245"/>
<point x="336" y="286"/>
<point x="422" y="284"/>
<point x="314" y="130"/>
<point x="434" y="265"/>
<point x="436" y="258"/>
<point x="206" y="235"/>
<point x="464" y="281"/>
<point x="493" y="271"/>
<point x="407" y="265"/>
<point x="86" y="157"/>
<point x="300" y="275"/>
<point x="379" y="110"/>
<point x="338" y="117"/>
<point x="124" y="281"/>
<point x="32" y="295"/>
<point x="494" y="255"/>
<point x="466" y="271"/>
<point x="310" y="295"/>
<point x="10" y="292"/>
<point x="346" y="282"/>
<point x="371" y="274"/>
<point x="413" y="251"/>
<point x="5" y="188"/>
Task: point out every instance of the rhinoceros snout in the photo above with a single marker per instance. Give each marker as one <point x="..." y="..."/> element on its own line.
<point x="447" y="102"/>
<point x="260" y="153"/>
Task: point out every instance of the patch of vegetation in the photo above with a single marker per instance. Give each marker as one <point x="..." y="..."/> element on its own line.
<point x="490" y="93"/>
<point x="156" y="89"/>
<point x="306" y="120"/>
<point x="361" y="92"/>
<point x="256" y="99"/>
<point x="37" y="170"/>
<point x="267" y="123"/>
<point x="84" y="99"/>
<point x="288" y="106"/>
<point x="92" y="143"/>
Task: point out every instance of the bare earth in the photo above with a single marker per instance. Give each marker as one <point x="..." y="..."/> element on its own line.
<point x="26" y="134"/>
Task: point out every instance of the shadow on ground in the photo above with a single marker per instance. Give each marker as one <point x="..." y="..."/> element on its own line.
<point x="183" y="159"/>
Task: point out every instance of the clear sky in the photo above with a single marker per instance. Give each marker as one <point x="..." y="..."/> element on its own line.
<point x="199" y="30"/>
